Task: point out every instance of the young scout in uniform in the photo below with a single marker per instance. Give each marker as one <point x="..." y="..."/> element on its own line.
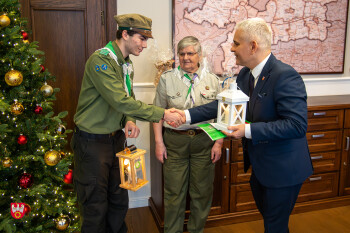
<point x="107" y="105"/>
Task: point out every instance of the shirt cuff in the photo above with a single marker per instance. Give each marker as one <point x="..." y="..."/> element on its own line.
<point x="188" y="117"/>
<point x="247" y="131"/>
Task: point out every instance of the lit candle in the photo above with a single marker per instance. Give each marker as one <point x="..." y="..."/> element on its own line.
<point x="128" y="172"/>
<point x="227" y="115"/>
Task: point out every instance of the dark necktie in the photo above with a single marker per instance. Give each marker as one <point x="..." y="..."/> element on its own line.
<point x="251" y="83"/>
<point x="251" y="89"/>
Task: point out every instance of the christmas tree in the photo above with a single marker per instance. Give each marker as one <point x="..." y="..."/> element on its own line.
<point x="35" y="179"/>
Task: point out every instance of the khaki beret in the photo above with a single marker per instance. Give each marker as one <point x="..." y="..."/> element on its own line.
<point x="135" y="22"/>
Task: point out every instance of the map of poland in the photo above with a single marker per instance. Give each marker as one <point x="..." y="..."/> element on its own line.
<point x="305" y="33"/>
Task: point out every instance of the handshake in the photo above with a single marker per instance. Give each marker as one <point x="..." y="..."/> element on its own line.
<point x="174" y="117"/>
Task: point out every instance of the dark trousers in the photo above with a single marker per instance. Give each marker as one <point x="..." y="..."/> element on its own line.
<point x="275" y="204"/>
<point x="102" y="203"/>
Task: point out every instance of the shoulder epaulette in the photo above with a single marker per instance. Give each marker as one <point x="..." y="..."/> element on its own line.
<point x="167" y="71"/>
<point x="104" y="52"/>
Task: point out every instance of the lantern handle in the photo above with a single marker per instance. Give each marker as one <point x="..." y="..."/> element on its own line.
<point x="232" y="77"/>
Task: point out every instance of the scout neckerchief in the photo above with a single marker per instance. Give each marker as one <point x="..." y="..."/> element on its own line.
<point x="127" y="68"/>
<point x="190" y="97"/>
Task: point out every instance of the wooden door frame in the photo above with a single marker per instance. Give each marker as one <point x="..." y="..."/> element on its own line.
<point x="110" y="7"/>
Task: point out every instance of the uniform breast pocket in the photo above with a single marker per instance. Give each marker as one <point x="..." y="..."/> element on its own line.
<point x="175" y="99"/>
<point x="208" y="95"/>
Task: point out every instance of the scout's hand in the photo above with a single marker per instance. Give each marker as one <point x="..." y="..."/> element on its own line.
<point x="161" y="152"/>
<point x="131" y="130"/>
<point x="216" y="150"/>
<point x="173" y="117"/>
<point x="238" y="131"/>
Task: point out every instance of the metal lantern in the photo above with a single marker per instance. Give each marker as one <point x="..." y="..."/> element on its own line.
<point x="132" y="168"/>
<point x="232" y="105"/>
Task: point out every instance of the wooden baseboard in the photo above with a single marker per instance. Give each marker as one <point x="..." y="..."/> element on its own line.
<point x="159" y="221"/>
<point x="253" y="215"/>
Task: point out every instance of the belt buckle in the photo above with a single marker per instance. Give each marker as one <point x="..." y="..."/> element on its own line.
<point x="191" y="132"/>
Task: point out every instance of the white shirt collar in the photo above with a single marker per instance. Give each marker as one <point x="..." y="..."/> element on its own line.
<point x="258" y="69"/>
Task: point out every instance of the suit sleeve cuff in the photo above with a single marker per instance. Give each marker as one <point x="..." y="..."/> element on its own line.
<point x="247" y="131"/>
<point x="188" y="117"/>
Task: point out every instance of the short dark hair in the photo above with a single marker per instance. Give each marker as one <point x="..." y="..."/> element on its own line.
<point x="119" y="33"/>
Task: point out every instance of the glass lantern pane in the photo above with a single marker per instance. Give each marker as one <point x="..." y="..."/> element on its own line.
<point x="138" y="169"/>
<point x="225" y="113"/>
<point x="127" y="171"/>
<point x="238" y="114"/>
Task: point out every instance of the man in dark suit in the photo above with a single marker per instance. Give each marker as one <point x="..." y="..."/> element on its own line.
<point x="274" y="142"/>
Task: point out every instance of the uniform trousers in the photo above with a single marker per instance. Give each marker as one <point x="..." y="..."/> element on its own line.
<point x="274" y="204"/>
<point x="187" y="168"/>
<point x="102" y="203"/>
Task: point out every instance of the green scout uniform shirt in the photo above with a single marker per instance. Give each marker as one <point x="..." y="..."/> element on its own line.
<point x="103" y="105"/>
<point x="172" y="91"/>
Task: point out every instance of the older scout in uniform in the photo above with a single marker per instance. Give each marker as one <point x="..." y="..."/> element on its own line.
<point x="107" y="105"/>
<point x="188" y="154"/>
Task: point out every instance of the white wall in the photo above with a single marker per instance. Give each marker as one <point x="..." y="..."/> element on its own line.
<point x="161" y="13"/>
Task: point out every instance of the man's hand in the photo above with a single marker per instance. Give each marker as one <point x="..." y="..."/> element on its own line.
<point x="238" y="131"/>
<point x="171" y="115"/>
<point x="131" y="130"/>
<point x="161" y="152"/>
<point x="216" y="150"/>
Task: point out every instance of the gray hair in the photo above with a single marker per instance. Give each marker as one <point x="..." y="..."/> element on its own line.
<point x="256" y="29"/>
<point x="189" y="41"/>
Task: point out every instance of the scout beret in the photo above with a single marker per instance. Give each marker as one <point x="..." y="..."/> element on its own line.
<point x="135" y="22"/>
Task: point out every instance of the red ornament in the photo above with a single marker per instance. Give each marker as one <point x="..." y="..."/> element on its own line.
<point x="42" y="69"/>
<point x="27" y="209"/>
<point x="22" y="139"/>
<point x="26" y="180"/>
<point x="38" y="109"/>
<point x="68" y="178"/>
<point x="25" y="35"/>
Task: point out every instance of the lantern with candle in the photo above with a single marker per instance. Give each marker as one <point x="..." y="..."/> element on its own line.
<point x="232" y="105"/>
<point x="132" y="168"/>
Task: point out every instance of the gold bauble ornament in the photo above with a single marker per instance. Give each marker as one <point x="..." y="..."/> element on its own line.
<point x="52" y="157"/>
<point x="13" y="78"/>
<point x="17" y="108"/>
<point x="46" y="90"/>
<point x="7" y="162"/>
<point x="4" y="20"/>
<point x="62" y="222"/>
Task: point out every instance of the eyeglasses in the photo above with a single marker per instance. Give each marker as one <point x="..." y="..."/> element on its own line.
<point x="190" y="54"/>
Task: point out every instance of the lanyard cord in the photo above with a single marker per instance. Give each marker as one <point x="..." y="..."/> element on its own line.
<point x="191" y="81"/>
